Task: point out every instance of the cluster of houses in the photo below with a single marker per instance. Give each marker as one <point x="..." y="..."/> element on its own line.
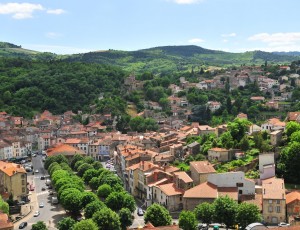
<point x="145" y="161"/>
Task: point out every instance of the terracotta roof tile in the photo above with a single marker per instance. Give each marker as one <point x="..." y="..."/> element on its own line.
<point x="202" y="166"/>
<point x="231" y="192"/>
<point x="170" y="189"/>
<point x="273" y="188"/>
<point x="63" y="149"/>
<point x="204" y="190"/>
<point x="11" y="168"/>
<point x="184" y="176"/>
<point x="5" y="223"/>
<point x="291" y="197"/>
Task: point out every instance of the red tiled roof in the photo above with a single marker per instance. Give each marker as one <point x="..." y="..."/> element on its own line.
<point x="291" y="197"/>
<point x="11" y="168"/>
<point x="273" y="188"/>
<point x="5" y="223"/>
<point x="170" y="189"/>
<point x="63" y="149"/>
<point x="204" y="190"/>
<point x="231" y="192"/>
<point x="202" y="166"/>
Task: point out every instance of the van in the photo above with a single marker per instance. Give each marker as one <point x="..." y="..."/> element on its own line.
<point x="54" y="200"/>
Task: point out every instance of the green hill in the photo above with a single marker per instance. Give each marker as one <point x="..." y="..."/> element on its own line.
<point x="163" y="59"/>
<point x="178" y="58"/>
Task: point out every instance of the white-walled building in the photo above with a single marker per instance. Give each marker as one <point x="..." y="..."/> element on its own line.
<point x="233" y="179"/>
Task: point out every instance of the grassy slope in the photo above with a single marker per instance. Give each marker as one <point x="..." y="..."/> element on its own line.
<point x="157" y="59"/>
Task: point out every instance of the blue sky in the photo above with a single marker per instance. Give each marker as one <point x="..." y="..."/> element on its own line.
<point x="75" y="26"/>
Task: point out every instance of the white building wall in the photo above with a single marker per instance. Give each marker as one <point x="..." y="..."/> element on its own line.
<point x="231" y="179"/>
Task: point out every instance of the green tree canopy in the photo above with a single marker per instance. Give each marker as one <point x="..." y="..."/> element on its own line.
<point x="40" y="225"/>
<point x="85" y="225"/>
<point x="157" y="215"/>
<point x="106" y="219"/>
<point x="225" y="210"/>
<point x="247" y="214"/>
<point x="205" y="212"/>
<point x="126" y="218"/>
<point x="66" y="223"/>
<point x="104" y="191"/>
<point x="93" y="207"/>
<point x="187" y="220"/>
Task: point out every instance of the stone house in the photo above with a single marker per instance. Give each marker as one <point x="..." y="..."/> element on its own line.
<point x="219" y="154"/>
<point x="169" y="196"/>
<point x="200" y="171"/>
<point x="274" y="201"/>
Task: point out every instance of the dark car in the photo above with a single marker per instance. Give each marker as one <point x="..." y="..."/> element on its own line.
<point x="22" y="225"/>
<point x="140" y="212"/>
<point x="42" y="178"/>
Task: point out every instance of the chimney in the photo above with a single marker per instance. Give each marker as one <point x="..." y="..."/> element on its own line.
<point x="264" y="191"/>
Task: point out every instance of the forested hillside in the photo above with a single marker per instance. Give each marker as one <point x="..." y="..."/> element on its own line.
<point x="32" y="86"/>
<point x="169" y="59"/>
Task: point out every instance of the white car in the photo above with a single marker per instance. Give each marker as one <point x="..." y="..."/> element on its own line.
<point x="41" y="205"/>
<point x="283" y="224"/>
<point x="36" y="214"/>
<point x="36" y="171"/>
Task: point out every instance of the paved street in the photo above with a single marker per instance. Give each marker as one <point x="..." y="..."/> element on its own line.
<point x="50" y="214"/>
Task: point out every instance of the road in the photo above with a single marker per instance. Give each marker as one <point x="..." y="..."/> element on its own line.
<point x="50" y="214"/>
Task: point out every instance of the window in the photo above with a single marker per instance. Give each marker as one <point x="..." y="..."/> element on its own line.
<point x="270" y="209"/>
<point x="239" y="184"/>
<point x="278" y="201"/>
<point x="270" y="201"/>
<point x="278" y="209"/>
<point x="23" y="182"/>
<point x="23" y="189"/>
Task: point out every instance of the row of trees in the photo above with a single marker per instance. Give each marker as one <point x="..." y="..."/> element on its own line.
<point x="222" y="210"/>
<point x="108" y="207"/>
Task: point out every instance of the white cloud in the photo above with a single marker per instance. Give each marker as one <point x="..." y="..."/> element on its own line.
<point x="182" y="2"/>
<point x="278" y="41"/>
<point x="56" y="11"/>
<point x="277" y="38"/>
<point x="196" y="40"/>
<point x="228" y="35"/>
<point x="20" y="10"/>
<point x="53" y="35"/>
<point x="225" y="40"/>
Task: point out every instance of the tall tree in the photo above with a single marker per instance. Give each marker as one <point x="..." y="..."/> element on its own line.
<point x="85" y="225"/>
<point x="66" y="223"/>
<point x="157" y="215"/>
<point x="204" y="212"/>
<point x="247" y="214"/>
<point x="225" y="210"/>
<point x="126" y="218"/>
<point x="106" y="219"/>
<point x="187" y="220"/>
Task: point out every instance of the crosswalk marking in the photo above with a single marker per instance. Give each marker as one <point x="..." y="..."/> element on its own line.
<point x="42" y="193"/>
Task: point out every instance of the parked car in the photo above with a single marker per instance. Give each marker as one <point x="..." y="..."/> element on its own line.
<point x="21" y="202"/>
<point x="203" y="227"/>
<point x="36" y="171"/>
<point x="140" y="212"/>
<point x="36" y="214"/>
<point x="43" y="189"/>
<point x="283" y="224"/>
<point x="50" y="192"/>
<point x="22" y="225"/>
<point x="41" y="205"/>
<point x="42" y="178"/>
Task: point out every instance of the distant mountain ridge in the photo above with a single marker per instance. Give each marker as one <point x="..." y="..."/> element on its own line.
<point x="158" y="59"/>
